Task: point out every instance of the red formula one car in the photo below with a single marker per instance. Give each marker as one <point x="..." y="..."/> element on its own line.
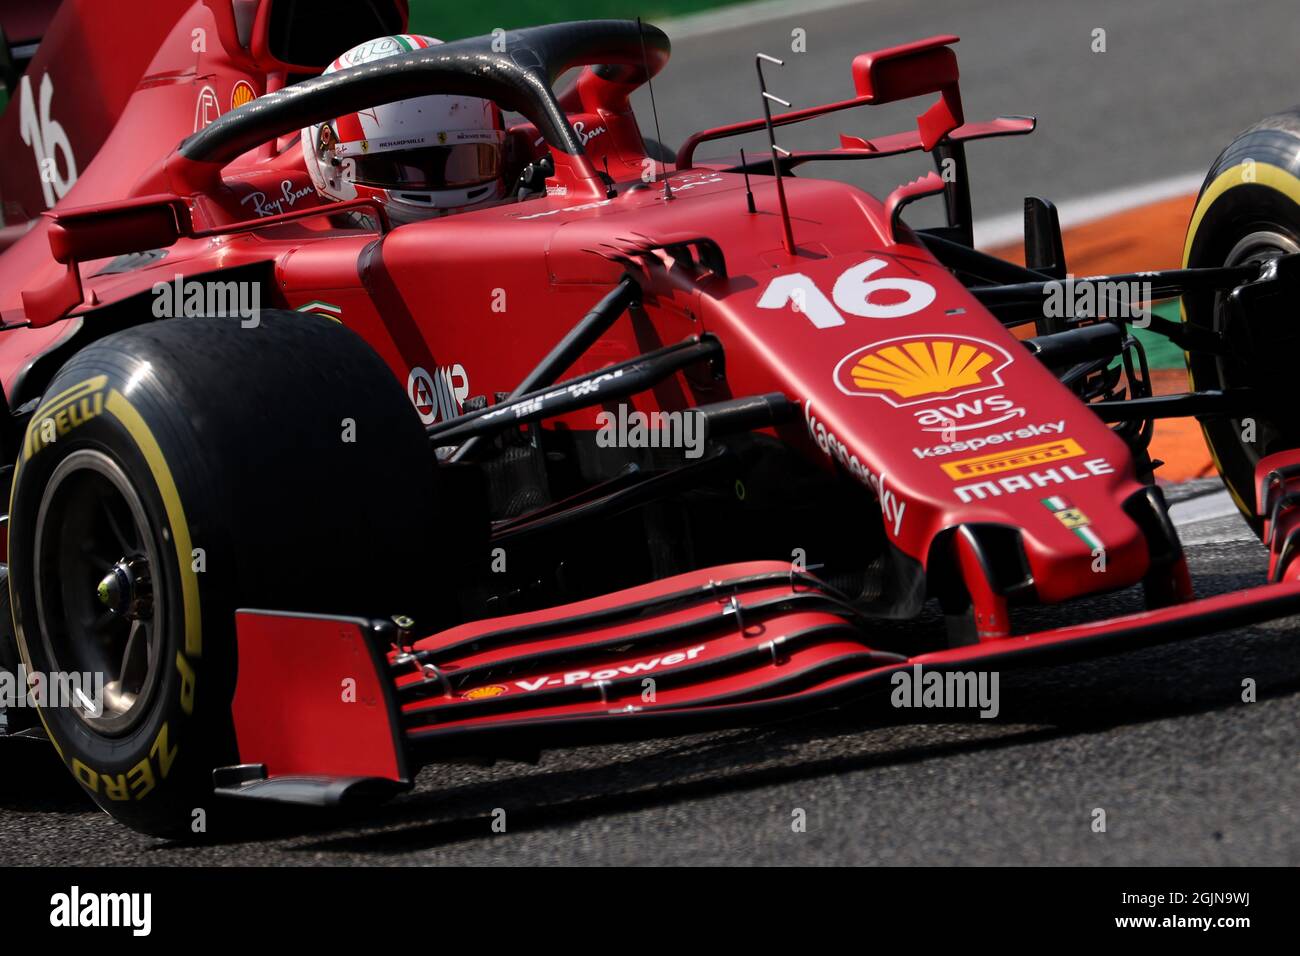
<point x="648" y="447"/>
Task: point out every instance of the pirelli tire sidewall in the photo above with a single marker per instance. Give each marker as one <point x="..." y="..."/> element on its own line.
<point x="1253" y="186"/>
<point x="279" y="467"/>
<point x="156" y="775"/>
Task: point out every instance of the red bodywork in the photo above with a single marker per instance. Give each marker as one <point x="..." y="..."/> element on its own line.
<point x="895" y="366"/>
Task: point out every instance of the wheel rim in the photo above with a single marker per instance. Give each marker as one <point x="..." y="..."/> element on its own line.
<point x="97" y="605"/>
<point x="1255" y="247"/>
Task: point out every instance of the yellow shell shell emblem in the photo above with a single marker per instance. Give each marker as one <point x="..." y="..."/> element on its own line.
<point x="242" y="95"/>
<point x="908" y="371"/>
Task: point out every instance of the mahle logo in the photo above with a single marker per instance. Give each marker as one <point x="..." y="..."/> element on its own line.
<point x="916" y="370"/>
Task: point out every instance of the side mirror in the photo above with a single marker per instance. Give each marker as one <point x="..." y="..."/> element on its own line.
<point x="98" y="232"/>
<point x="112" y="229"/>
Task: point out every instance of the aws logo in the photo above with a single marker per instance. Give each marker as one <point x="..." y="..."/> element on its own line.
<point x="915" y="370"/>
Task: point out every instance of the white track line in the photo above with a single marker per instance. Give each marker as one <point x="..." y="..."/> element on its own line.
<point x="739" y="15"/>
<point x="1217" y="504"/>
<point x="1002" y="230"/>
<point x="1201" y="520"/>
<point x="994" y="231"/>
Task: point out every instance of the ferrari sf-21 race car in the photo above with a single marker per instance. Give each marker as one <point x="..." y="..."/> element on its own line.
<point x="653" y="446"/>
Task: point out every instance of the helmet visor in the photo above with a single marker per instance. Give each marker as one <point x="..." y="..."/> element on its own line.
<point x="431" y="167"/>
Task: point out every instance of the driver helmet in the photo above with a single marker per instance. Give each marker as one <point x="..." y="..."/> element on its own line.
<point x="420" y="157"/>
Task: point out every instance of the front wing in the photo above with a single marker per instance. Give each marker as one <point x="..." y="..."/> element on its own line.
<point x="328" y="708"/>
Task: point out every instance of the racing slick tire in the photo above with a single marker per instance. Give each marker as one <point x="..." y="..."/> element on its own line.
<point x="16" y="718"/>
<point x="8" y="645"/>
<point x="1248" y="210"/>
<point x="179" y="470"/>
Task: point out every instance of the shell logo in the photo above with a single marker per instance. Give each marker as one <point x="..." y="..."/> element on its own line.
<point x="913" y="370"/>
<point x="242" y="94"/>
<point x="482" y="693"/>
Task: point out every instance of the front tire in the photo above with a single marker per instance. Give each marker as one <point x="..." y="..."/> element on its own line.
<point x="15" y="718"/>
<point x="175" y="472"/>
<point x="1248" y="211"/>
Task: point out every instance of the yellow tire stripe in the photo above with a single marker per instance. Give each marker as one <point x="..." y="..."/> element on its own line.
<point x="1260" y="174"/>
<point x="125" y="412"/>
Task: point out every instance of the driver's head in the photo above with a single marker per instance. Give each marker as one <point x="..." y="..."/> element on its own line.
<point x="419" y="157"/>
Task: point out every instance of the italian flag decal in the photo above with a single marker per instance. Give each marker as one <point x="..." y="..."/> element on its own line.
<point x="1075" y="520"/>
<point x="326" y="309"/>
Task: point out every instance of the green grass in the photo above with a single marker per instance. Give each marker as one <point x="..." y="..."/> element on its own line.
<point x="451" y="21"/>
<point x="1161" y="353"/>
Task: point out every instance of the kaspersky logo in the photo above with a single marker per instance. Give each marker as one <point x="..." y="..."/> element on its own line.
<point x="915" y="370"/>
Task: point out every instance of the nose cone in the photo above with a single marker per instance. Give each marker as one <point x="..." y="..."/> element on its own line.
<point x="910" y="386"/>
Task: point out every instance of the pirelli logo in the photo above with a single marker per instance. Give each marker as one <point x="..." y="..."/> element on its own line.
<point x="64" y="412"/>
<point x="1001" y="461"/>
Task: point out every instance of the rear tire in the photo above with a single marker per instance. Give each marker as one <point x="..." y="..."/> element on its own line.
<point x="1248" y="210"/>
<point x="177" y="471"/>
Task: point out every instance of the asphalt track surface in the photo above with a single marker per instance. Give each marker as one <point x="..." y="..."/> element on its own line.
<point x="1160" y="739"/>
<point x="1178" y="80"/>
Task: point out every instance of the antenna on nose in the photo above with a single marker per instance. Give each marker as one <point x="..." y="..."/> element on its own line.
<point x="749" y="193"/>
<point x="649" y="82"/>
<point x="787" y="233"/>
